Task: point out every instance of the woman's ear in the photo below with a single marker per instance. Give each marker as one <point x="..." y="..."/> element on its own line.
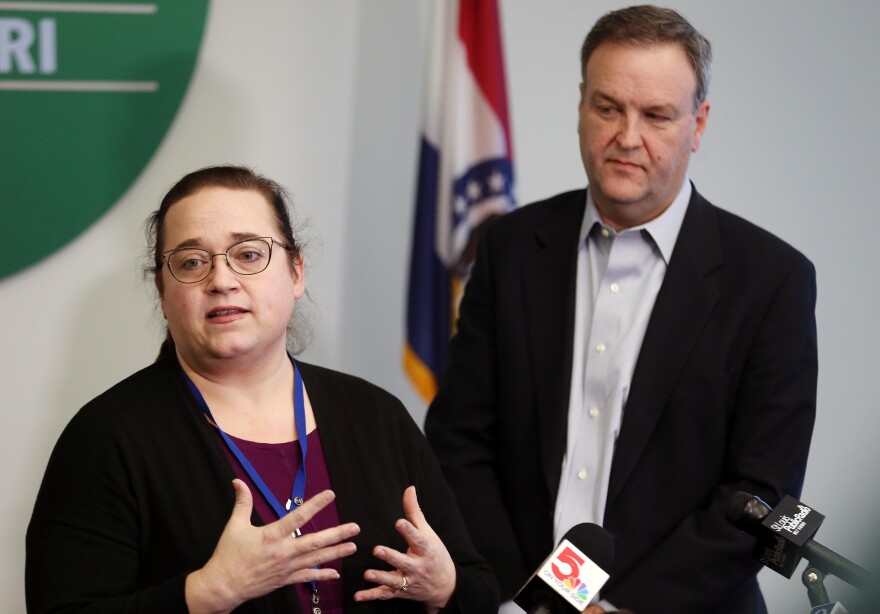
<point x="299" y="276"/>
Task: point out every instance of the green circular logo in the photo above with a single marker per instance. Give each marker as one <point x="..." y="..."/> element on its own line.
<point x="87" y="92"/>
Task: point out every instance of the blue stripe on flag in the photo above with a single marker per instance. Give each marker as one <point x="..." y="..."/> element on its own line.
<point x="429" y="302"/>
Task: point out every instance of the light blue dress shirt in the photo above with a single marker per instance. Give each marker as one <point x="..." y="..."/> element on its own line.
<point x="618" y="277"/>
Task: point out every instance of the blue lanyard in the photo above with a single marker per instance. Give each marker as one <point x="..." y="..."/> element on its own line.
<point x="298" y="494"/>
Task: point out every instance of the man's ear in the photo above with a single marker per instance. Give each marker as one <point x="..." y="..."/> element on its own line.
<point x="702" y="116"/>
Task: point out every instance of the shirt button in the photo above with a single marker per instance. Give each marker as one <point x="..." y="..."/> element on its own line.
<point x="615" y="288"/>
<point x="605" y="233"/>
<point x="582" y="474"/>
<point x="600" y="348"/>
<point x="594" y="412"/>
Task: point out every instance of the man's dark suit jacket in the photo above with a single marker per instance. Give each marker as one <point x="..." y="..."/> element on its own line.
<point x="722" y="400"/>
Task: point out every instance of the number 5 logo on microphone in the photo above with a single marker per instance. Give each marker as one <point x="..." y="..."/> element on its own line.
<point x="570" y="560"/>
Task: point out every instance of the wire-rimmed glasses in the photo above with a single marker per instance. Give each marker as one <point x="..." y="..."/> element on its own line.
<point x="190" y="265"/>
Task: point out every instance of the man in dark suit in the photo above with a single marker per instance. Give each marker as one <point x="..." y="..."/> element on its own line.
<point x="629" y="354"/>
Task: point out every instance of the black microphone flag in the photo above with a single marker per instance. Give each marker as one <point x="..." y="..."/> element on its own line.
<point x="785" y="536"/>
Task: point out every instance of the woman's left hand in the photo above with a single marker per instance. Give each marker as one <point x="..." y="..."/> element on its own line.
<point x="425" y="573"/>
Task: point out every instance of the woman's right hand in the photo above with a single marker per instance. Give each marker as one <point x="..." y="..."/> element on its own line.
<point x="250" y="561"/>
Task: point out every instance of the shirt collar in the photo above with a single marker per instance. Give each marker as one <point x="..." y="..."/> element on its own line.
<point x="663" y="229"/>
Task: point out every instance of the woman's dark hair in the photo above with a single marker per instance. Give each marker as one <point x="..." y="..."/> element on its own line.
<point x="225" y="176"/>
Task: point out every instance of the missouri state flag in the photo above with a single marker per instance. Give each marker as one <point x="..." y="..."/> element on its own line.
<point x="465" y="175"/>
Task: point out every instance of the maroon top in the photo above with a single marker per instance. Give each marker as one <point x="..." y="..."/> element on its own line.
<point x="277" y="464"/>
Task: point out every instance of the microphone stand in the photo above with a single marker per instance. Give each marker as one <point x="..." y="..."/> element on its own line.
<point x="814" y="580"/>
<point x="832" y="563"/>
<point x="824" y="561"/>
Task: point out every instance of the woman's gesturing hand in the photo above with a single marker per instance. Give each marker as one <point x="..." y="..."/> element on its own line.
<point x="250" y="561"/>
<point x="425" y="573"/>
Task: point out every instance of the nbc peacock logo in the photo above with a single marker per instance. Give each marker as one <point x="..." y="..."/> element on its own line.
<point x="577" y="588"/>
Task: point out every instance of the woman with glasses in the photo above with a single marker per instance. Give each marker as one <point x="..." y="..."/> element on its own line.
<point x="229" y="476"/>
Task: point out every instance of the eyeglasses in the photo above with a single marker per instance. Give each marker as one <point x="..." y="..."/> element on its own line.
<point x="190" y="265"/>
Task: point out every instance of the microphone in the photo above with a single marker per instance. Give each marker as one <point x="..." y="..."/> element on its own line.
<point x="785" y="535"/>
<point x="568" y="579"/>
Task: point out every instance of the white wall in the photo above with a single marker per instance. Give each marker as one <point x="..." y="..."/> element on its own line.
<point x="326" y="98"/>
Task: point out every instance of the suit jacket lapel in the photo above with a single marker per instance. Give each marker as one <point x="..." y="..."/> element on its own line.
<point x="682" y="307"/>
<point x="549" y="272"/>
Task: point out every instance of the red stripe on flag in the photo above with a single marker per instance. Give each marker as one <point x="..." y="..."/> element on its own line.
<point x="480" y="32"/>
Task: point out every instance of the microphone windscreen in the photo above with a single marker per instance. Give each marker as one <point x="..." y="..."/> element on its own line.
<point x="746" y="512"/>
<point x="594" y="541"/>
